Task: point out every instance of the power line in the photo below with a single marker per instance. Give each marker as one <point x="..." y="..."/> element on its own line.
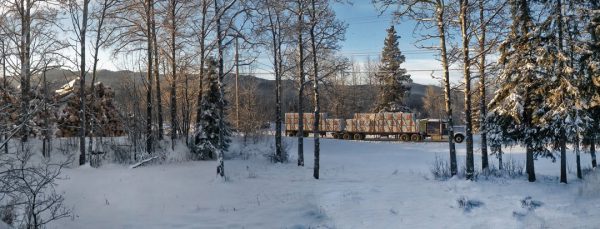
<point x="365" y="72"/>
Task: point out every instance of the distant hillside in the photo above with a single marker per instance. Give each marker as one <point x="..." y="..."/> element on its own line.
<point x="264" y="88"/>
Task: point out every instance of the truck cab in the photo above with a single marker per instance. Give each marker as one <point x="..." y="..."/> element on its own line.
<point x="437" y="130"/>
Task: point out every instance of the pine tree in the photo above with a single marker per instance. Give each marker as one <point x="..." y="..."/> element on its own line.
<point x="394" y="82"/>
<point x="207" y="135"/>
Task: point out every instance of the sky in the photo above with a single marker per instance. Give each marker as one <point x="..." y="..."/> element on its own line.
<point x="367" y="31"/>
<point x="364" y="39"/>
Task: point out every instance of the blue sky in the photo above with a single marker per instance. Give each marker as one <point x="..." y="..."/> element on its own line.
<point x="366" y="33"/>
<point x="364" y="39"/>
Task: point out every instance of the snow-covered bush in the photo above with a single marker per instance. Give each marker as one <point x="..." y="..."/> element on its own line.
<point x="530" y="204"/>
<point x="468" y="204"/>
<point x="440" y="168"/>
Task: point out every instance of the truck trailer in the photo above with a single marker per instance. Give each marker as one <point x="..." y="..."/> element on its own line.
<point x="392" y="125"/>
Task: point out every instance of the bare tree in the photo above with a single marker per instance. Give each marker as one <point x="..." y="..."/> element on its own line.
<point x="30" y="188"/>
<point x="79" y="13"/>
<point x="103" y="34"/>
<point x="431" y="14"/>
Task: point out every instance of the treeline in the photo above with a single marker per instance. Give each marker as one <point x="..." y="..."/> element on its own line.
<point x="536" y="68"/>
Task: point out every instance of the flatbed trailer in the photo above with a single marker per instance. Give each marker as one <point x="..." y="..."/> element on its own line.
<point x="400" y="126"/>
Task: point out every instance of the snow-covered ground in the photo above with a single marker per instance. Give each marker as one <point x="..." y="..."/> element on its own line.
<point x="362" y="185"/>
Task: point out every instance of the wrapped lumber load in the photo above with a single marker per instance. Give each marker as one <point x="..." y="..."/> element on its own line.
<point x="291" y="121"/>
<point x="334" y="125"/>
<point x="388" y="122"/>
<point x="102" y="112"/>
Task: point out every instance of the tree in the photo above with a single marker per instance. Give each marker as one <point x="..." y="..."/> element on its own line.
<point x="433" y="102"/>
<point x="103" y="35"/>
<point x="394" y="84"/>
<point x="202" y="36"/>
<point x="300" y="30"/>
<point x="273" y="26"/>
<point x="431" y="15"/>
<point x="210" y="131"/>
<point x="589" y="59"/>
<point x="325" y="32"/>
<point x="489" y="30"/>
<point x="149" y="48"/>
<point x="464" y="27"/>
<point x="80" y="25"/>
<point x="518" y="97"/>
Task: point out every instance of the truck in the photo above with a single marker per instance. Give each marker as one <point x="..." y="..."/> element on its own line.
<point x="392" y="125"/>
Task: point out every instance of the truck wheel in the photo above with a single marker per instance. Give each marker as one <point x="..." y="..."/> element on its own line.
<point x="458" y="138"/>
<point x="415" y="138"/>
<point x="404" y="137"/>
<point x="357" y="136"/>
<point x="347" y="136"/>
<point x="334" y="135"/>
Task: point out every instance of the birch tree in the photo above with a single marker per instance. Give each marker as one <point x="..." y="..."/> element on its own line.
<point x="429" y="14"/>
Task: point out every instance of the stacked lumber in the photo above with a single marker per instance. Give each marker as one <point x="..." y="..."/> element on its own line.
<point x="334" y="125"/>
<point x="107" y="122"/>
<point x="388" y="122"/>
<point x="291" y="121"/>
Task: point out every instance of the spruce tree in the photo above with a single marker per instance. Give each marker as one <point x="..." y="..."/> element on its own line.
<point x="590" y="62"/>
<point x="207" y="135"/>
<point x="394" y="82"/>
<point x="519" y="96"/>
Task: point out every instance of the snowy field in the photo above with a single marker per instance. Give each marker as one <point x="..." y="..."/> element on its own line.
<point x="362" y="185"/>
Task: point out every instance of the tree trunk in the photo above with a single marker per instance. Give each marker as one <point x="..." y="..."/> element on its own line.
<point x="482" y="87"/>
<point x="82" y="73"/>
<point x="5" y="84"/>
<point x="221" y="166"/>
<point x="157" y="77"/>
<point x="315" y="89"/>
<point x="149" y="136"/>
<point x="467" y="74"/>
<point x="563" y="159"/>
<point x="500" y="165"/>
<point x="578" y="158"/>
<point x="174" y="124"/>
<point x="593" y="152"/>
<point x="46" y="133"/>
<point x="442" y="34"/>
<point x="25" y="57"/>
<point x="301" y="85"/>
<point x="530" y="166"/>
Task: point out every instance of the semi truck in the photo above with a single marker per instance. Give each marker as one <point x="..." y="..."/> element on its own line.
<point x="391" y="125"/>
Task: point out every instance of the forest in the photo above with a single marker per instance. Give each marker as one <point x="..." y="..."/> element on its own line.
<point x="150" y="84"/>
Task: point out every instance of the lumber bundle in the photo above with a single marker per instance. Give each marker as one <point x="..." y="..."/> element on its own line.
<point x="388" y="122"/>
<point x="291" y="121"/>
<point x="107" y="122"/>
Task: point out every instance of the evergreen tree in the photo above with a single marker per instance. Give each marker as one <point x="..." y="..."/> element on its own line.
<point x="590" y="66"/>
<point x="207" y="135"/>
<point x="563" y="118"/>
<point x="520" y="96"/>
<point x="394" y="82"/>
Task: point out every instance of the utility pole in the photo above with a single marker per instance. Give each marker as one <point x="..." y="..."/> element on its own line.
<point x="237" y="74"/>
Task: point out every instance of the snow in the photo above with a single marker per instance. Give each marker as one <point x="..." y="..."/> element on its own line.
<point x="363" y="185"/>
<point x="4" y="225"/>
